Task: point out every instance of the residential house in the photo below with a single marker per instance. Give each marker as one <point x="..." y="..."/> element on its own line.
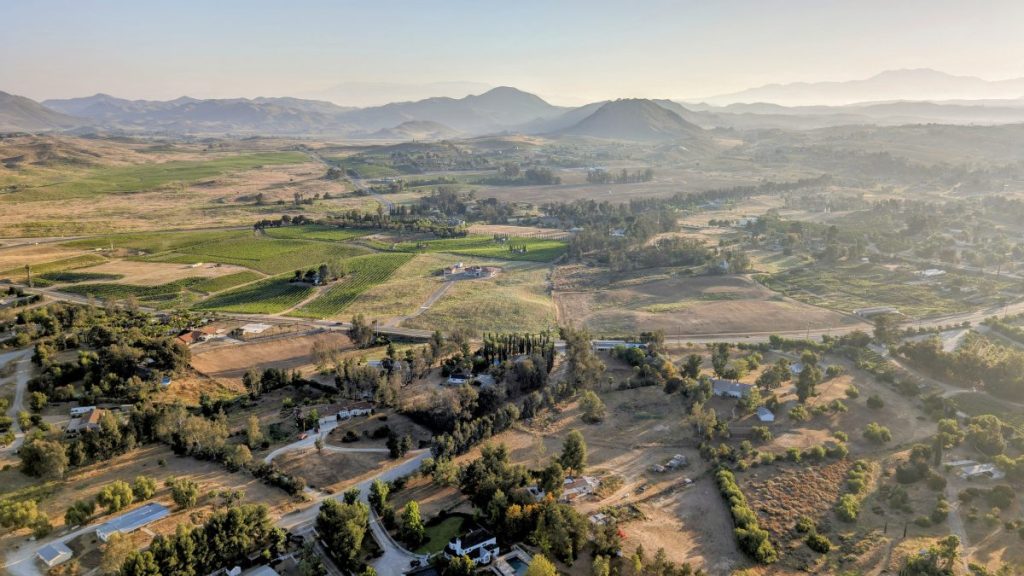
<point x="86" y="422"/>
<point x="81" y="411"/>
<point x="480" y="545"/>
<point x="730" y="388"/>
<point x="580" y="486"/>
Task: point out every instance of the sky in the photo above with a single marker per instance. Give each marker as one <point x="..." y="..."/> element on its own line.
<point x="569" y="52"/>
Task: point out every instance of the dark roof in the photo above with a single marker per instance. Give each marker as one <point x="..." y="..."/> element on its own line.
<point x="475" y="537"/>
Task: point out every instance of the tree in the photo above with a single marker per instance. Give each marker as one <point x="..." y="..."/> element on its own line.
<point x="691" y="369"/>
<point x="253" y="432"/>
<point x="541" y="566"/>
<point x="601" y="566"/>
<point x="239" y="457"/>
<point x="593" y="408"/>
<point x="720" y="358"/>
<point x="310" y="563"/>
<point x="115" y="552"/>
<point x="809" y="377"/>
<point x="412" y="532"/>
<point x="552" y="479"/>
<point x="79" y="512"/>
<point x="115" y="496"/>
<point x="574" y="452"/>
<point x="877" y="433"/>
<point x="253" y="383"/>
<point x="319" y="445"/>
<point x="378" y="494"/>
<point x="44" y="459"/>
<point x="184" y="492"/>
<point x="143" y="487"/>
<point x="361" y="332"/>
<point x="459" y="566"/>
<point x="342" y="528"/>
<point x="38" y="401"/>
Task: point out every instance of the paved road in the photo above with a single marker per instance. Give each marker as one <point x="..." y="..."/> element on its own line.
<point x="22" y="373"/>
<point x="310" y="441"/>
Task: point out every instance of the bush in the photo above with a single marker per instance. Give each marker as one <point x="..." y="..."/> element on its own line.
<point x="805" y="525"/>
<point x="848" y="508"/>
<point x="852" y="392"/>
<point x="877" y="433"/>
<point x="143" y="488"/>
<point x="751" y="538"/>
<point x="936" y="482"/>
<point x="819" y="543"/>
<point x="875" y="402"/>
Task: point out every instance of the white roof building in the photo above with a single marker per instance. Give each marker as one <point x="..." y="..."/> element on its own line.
<point x="54" y="554"/>
<point x="765" y="415"/>
<point x="132" y="521"/>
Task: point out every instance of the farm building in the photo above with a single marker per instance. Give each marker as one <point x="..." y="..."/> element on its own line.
<point x="132" y="521"/>
<point x="730" y="388"/>
<point x="254" y="328"/>
<point x="981" y="471"/>
<point x="876" y="311"/>
<point x="480" y="545"/>
<point x="54" y="554"/>
<point x="765" y="415"/>
<point x="81" y="411"/>
<point x="609" y="345"/>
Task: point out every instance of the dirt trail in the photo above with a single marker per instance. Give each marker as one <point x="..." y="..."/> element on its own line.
<point x="430" y="301"/>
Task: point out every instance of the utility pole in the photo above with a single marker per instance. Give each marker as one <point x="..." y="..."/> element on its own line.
<point x="28" y="274"/>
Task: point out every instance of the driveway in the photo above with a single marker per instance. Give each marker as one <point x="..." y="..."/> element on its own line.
<point x="21" y="378"/>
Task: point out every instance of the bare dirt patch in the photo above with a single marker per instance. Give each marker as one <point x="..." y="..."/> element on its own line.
<point x="328" y="468"/>
<point x="156" y="273"/>
<point x="287" y="353"/>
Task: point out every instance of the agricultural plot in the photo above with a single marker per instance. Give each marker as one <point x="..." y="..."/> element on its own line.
<point x="77" y="277"/>
<point x="269" y="296"/>
<point x="407" y="289"/>
<point x="515" y="249"/>
<point x="315" y="232"/>
<point x="166" y="294"/>
<point x="362" y="273"/>
<point x="140" y="178"/>
<point x="848" y="288"/>
<point x="75" y="262"/>
<point x="221" y="283"/>
<point x="268" y="255"/>
<point x="154" y="242"/>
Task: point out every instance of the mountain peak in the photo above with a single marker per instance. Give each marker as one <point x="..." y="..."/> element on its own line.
<point x="636" y="119"/>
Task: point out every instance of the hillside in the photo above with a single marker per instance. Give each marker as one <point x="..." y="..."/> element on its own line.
<point x="635" y="120"/>
<point x="415" y="130"/>
<point x="20" y="114"/>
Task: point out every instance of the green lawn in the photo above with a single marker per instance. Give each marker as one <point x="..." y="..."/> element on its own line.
<point x="144" y="177"/>
<point x="440" y="534"/>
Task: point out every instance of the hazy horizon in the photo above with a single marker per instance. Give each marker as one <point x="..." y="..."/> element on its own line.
<point x="569" y="54"/>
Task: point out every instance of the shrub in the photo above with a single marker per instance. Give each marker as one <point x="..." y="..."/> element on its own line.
<point x="877" y="433"/>
<point x="805" y="525"/>
<point x="875" y="402"/>
<point x="852" y="392"/>
<point x="799" y="413"/>
<point x="819" y="543"/>
<point x="751" y="538"/>
<point x="848" y="508"/>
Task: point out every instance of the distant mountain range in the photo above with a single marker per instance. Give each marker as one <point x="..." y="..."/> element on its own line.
<point x="509" y="110"/>
<point x="923" y="84"/>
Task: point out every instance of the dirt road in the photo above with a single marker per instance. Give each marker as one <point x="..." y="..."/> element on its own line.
<point x="21" y="378"/>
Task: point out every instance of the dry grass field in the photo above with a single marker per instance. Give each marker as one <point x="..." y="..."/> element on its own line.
<point x="224" y="360"/>
<point x="156" y="273"/>
<point x="677" y="303"/>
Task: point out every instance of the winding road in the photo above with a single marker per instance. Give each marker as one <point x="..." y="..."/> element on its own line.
<point x="21" y="378"/>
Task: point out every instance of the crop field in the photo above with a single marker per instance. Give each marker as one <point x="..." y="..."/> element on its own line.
<point x="221" y="283"/>
<point x="848" y="288"/>
<point x="75" y="262"/>
<point x="155" y="242"/>
<point x="315" y="232"/>
<point x="517" y="299"/>
<point x="269" y="296"/>
<point x="268" y="255"/>
<point x="77" y="277"/>
<point x="537" y="249"/>
<point x="163" y="293"/>
<point x="405" y="291"/>
<point x="362" y="273"/>
<point x="140" y="178"/>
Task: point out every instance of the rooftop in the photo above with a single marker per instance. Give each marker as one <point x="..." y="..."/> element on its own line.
<point x="132" y="521"/>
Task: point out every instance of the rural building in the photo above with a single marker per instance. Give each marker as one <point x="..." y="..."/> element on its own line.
<point x="84" y="423"/>
<point x="730" y="388"/>
<point x="81" y="410"/>
<point x="599" y="519"/>
<point x="765" y="415"/>
<point x="609" y="345"/>
<point x="132" y="521"/>
<point x="580" y="486"/>
<point x="876" y="311"/>
<point x="458" y="379"/>
<point x="981" y="471"/>
<point x="187" y="338"/>
<point x="254" y="328"/>
<point x="353" y="410"/>
<point x="54" y="554"/>
<point x="480" y="545"/>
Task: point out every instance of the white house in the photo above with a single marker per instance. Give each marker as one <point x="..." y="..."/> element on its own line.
<point x="765" y="415"/>
<point x="579" y="486"/>
<point x="480" y="545"/>
<point x="54" y="554"/>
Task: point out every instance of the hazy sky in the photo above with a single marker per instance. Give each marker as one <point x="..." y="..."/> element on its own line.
<point x="567" y="51"/>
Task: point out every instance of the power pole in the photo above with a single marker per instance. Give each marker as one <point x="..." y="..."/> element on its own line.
<point x="28" y="274"/>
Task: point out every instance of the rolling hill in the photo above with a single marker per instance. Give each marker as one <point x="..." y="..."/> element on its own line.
<point x="635" y="120"/>
<point x="415" y="130"/>
<point x="20" y="114"/>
